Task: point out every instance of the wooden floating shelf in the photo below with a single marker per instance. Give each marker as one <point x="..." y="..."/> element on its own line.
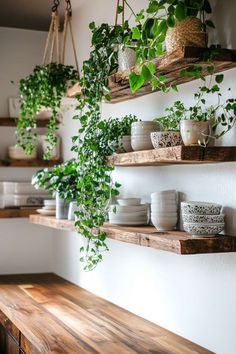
<point x="169" y="65"/>
<point x="17" y="213"/>
<point x="29" y="163"/>
<point x="12" y="122"/>
<point x="175" y="155"/>
<point x="172" y="241"/>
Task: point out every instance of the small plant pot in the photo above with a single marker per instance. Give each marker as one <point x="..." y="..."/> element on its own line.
<point x="188" y="32"/>
<point x="126" y="58"/>
<point x="194" y="132"/>
<point x="125" y="144"/>
<point x="72" y="209"/>
<point x="165" y="139"/>
<point x="62" y="208"/>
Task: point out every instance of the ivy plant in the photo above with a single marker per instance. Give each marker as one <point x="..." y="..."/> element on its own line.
<point x="150" y="33"/>
<point x="44" y="88"/>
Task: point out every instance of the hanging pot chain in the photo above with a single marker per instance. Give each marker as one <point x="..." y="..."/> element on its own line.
<point x="56" y="3"/>
<point x="68" y="7"/>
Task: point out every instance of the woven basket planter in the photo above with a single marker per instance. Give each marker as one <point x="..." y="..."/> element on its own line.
<point x="188" y="32"/>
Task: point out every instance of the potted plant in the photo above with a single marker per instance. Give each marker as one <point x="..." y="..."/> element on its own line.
<point x="164" y="22"/>
<point x="170" y="136"/>
<point x="60" y="181"/>
<point x="44" y="88"/>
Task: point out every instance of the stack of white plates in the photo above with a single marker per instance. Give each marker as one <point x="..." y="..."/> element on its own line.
<point x="49" y="208"/>
<point x="164" y="210"/>
<point x="129" y="211"/>
<point x="202" y="219"/>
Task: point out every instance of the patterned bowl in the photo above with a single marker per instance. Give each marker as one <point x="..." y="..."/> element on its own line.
<point x="203" y="230"/>
<point x="191" y="218"/>
<point x="165" y="139"/>
<point x="200" y="208"/>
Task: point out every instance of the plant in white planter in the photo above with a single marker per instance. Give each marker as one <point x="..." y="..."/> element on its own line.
<point x="170" y="136"/>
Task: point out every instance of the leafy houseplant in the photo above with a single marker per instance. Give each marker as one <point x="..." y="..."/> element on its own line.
<point x="61" y="179"/>
<point x="45" y="87"/>
<point x="151" y="31"/>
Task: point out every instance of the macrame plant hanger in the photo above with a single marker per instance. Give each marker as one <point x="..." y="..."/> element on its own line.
<point x="120" y="3"/>
<point x="53" y="52"/>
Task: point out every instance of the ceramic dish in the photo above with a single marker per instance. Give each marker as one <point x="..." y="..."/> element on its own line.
<point x="129" y="201"/>
<point x="46" y="212"/>
<point x="191" y="218"/>
<point x="158" y="208"/>
<point x="136" y="214"/>
<point x="129" y="208"/>
<point x="17" y="153"/>
<point x="128" y="223"/>
<point x="165" y="139"/>
<point x="200" y="208"/>
<point x="203" y="230"/>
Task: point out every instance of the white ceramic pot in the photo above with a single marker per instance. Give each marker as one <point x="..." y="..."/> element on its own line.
<point x="17" y="153"/>
<point x="62" y="208"/>
<point x="55" y="152"/>
<point x="126" y="58"/>
<point x="141" y="134"/>
<point x="164" y="223"/>
<point x="165" y="139"/>
<point x="129" y="201"/>
<point x="125" y="144"/>
<point x="194" y="132"/>
<point x="72" y="209"/>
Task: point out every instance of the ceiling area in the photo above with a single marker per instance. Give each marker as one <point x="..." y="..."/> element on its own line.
<point x="27" y="14"/>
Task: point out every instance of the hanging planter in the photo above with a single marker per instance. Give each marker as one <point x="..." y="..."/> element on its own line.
<point x="42" y="91"/>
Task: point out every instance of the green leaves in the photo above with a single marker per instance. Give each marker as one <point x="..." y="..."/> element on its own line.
<point x="180" y="12"/>
<point x="136" y="35"/>
<point x="135" y="81"/>
<point x="219" y="78"/>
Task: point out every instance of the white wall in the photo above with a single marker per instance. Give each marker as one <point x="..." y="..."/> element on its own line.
<point x="193" y="296"/>
<point x="24" y="248"/>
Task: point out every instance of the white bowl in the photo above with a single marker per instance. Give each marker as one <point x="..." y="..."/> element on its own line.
<point x="164" y="213"/>
<point x="164" y="225"/>
<point x="200" y="208"/>
<point x="136" y="214"/>
<point x="203" y="230"/>
<point x="164" y="208"/>
<point x="129" y="208"/>
<point x="129" y="201"/>
<point x="192" y="218"/>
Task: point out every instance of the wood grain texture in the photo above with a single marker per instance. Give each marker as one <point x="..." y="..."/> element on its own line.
<point x="55" y="316"/>
<point x="17" y="213"/>
<point x="169" y="65"/>
<point x="175" y="155"/>
<point x="172" y="241"/>
<point x="12" y="122"/>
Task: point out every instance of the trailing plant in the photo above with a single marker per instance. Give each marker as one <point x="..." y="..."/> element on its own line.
<point x="44" y="88"/>
<point x="60" y="179"/>
<point x="150" y="33"/>
<point x="171" y="121"/>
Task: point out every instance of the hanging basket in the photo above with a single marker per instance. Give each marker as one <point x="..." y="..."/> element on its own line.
<point x="186" y="33"/>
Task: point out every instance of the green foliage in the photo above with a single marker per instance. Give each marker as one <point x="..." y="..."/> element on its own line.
<point x="45" y="87"/>
<point x="61" y="179"/>
<point x="150" y="33"/>
<point x="171" y="122"/>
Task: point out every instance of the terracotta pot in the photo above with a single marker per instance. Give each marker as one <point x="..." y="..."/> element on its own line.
<point x="188" y="32"/>
<point x="194" y="132"/>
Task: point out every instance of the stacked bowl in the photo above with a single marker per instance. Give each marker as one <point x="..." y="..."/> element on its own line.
<point x="202" y="219"/>
<point x="141" y="134"/>
<point x="164" y="210"/>
<point x="129" y="211"/>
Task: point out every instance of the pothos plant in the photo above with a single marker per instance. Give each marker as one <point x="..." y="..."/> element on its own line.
<point x="150" y="33"/>
<point x="61" y="179"/>
<point x="44" y="88"/>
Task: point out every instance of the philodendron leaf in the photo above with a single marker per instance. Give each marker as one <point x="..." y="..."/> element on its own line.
<point x="219" y="78"/>
<point x="136" y="33"/>
<point x="135" y="82"/>
<point x="147" y="75"/>
<point x="120" y="9"/>
<point x="180" y="12"/>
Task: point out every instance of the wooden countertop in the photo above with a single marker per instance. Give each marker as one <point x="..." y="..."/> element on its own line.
<point x="55" y="316"/>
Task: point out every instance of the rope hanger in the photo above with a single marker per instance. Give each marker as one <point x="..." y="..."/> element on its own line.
<point x="120" y="3"/>
<point x="52" y="47"/>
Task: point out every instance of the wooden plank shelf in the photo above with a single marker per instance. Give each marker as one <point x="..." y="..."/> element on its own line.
<point x="17" y="212"/>
<point x="76" y="321"/>
<point x="169" y="65"/>
<point x="172" y="241"/>
<point x="12" y="122"/>
<point x="175" y="155"/>
<point x="29" y="163"/>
